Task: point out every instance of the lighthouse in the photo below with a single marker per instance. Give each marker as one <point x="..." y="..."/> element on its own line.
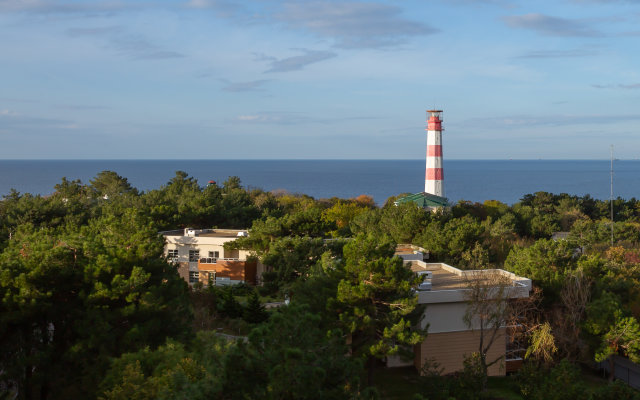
<point x="433" y="196"/>
<point x="434" y="177"/>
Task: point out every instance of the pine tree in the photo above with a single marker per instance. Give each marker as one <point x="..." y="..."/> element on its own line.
<point x="255" y="312"/>
<point x="376" y="300"/>
<point x="229" y="306"/>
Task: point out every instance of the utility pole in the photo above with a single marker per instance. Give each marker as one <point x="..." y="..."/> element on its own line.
<point x="611" y="197"/>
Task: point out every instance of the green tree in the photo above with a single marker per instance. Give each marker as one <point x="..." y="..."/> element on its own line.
<point x="17" y="209"/>
<point x="375" y="300"/>
<point x="341" y="214"/>
<point x="292" y="357"/>
<point x="290" y="259"/>
<point x="403" y="222"/>
<point x="617" y="390"/>
<point x="304" y="223"/>
<point x="476" y="258"/>
<point x="80" y="295"/>
<point x="615" y="332"/>
<point x="560" y="382"/>
<point x="237" y="209"/>
<point x="176" y="204"/>
<point x="623" y="338"/>
<point x="545" y="262"/>
<point x="254" y="312"/>
<point x="232" y="183"/>
<point x="447" y="241"/>
<point x="172" y="371"/>
<point x="228" y="305"/>
<point x="108" y="184"/>
<point x="543" y="345"/>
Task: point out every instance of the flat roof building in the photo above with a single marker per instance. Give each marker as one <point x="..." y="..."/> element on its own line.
<point x="446" y="292"/>
<point x="201" y="256"/>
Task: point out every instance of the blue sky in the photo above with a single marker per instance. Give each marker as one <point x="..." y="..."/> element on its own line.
<point x="318" y="79"/>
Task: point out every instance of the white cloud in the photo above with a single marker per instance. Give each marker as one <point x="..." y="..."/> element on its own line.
<point x="133" y="46"/>
<point x="297" y="63"/>
<point x="353" y="24"/>
<point x="250" y="86"/>
<point x="551" y="26"/>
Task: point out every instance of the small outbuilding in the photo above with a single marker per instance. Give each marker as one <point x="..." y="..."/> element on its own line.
<point x="424" y="200"/>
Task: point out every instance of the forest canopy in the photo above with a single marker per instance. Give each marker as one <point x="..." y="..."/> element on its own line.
<point x="91" y="308"/>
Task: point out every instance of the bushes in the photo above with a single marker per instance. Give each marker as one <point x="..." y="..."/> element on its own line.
<point x="215" y="303"/>
<point x="617" y="390"/>
<point x="564" y="381"/>
<point x="560" y="382"/>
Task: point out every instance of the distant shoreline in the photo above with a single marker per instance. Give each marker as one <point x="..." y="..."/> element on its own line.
<point x="473" y="180"/>
<point x="313" y="159"/>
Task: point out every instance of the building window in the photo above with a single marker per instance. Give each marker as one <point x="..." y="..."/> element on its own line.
<point x="194" y="276"/>
<point x="214" y="254"/>
<point x="194" y="255"/>
<point x="173" y="256"/>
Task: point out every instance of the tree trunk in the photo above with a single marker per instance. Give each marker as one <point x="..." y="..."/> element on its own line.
<point x="485" y="370"/>
<point x="44" y="391"/>
<point x="370" y="365"/>
<point x="612" y="368"/>
<point x="27" y="382"/>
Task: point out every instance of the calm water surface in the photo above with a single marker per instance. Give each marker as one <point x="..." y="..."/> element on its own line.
<point x="504" y="180"/>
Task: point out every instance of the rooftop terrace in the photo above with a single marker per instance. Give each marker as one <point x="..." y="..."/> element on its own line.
<point x="221" y="233"/>
<point x="449" y="283"/>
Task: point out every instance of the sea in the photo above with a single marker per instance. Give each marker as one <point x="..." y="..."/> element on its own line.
<point x="473" y="180"/>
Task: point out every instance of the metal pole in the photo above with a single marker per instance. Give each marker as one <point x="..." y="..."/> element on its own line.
<point x="611" y="197"/>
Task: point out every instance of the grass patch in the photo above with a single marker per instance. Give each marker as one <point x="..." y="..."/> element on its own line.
<point x="592" y="378"/>
<point x="503" y="388"/>
<point x="404" y="383"/>
<point x="396" y="383"/>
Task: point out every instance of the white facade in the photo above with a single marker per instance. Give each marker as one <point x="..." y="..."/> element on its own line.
<point x="206" y="244"/>
<point x="447" y="305"/>
<point x="446" y="295"/>
<point x="186" y="247"/>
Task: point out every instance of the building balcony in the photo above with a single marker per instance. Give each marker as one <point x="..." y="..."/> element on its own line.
<point x="214" y="260"/>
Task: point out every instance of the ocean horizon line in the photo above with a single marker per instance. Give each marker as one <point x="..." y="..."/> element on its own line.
<point x="313" y="159"/>
<point x="468" y="179"/>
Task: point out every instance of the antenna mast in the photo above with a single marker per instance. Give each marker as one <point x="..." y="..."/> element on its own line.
<point x="611" y="197"/>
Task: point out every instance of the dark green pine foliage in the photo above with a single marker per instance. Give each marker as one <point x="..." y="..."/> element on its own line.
<point x="291" y="259"/>
<point x="172" y="371"/>
<point x="255" y="312"/>
<point x="375" y="300"/>
<point x="228" y="305"/>
<point x="292" y="357"/>
<point x="71" y="299"/>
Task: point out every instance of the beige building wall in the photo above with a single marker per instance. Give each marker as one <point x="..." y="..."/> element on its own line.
<point x="445" y="317"/>
<point x="206" y="246"/>
<point x="449" y="349"/>
<point x="445" y="295"/>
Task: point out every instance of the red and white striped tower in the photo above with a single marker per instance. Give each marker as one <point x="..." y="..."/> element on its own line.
<point x="434" y="177"/>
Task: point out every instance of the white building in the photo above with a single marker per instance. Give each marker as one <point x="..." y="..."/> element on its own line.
<point x="446" y="293"/>
<point x="201" y="256"/>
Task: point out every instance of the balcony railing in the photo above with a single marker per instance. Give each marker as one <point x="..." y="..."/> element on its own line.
<point x="214" y="260"/>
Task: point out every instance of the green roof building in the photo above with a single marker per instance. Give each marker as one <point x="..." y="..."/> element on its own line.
<point x="424" y="200"/>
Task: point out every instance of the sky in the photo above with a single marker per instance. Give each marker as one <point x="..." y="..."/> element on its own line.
<point x="269" y="79"/>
